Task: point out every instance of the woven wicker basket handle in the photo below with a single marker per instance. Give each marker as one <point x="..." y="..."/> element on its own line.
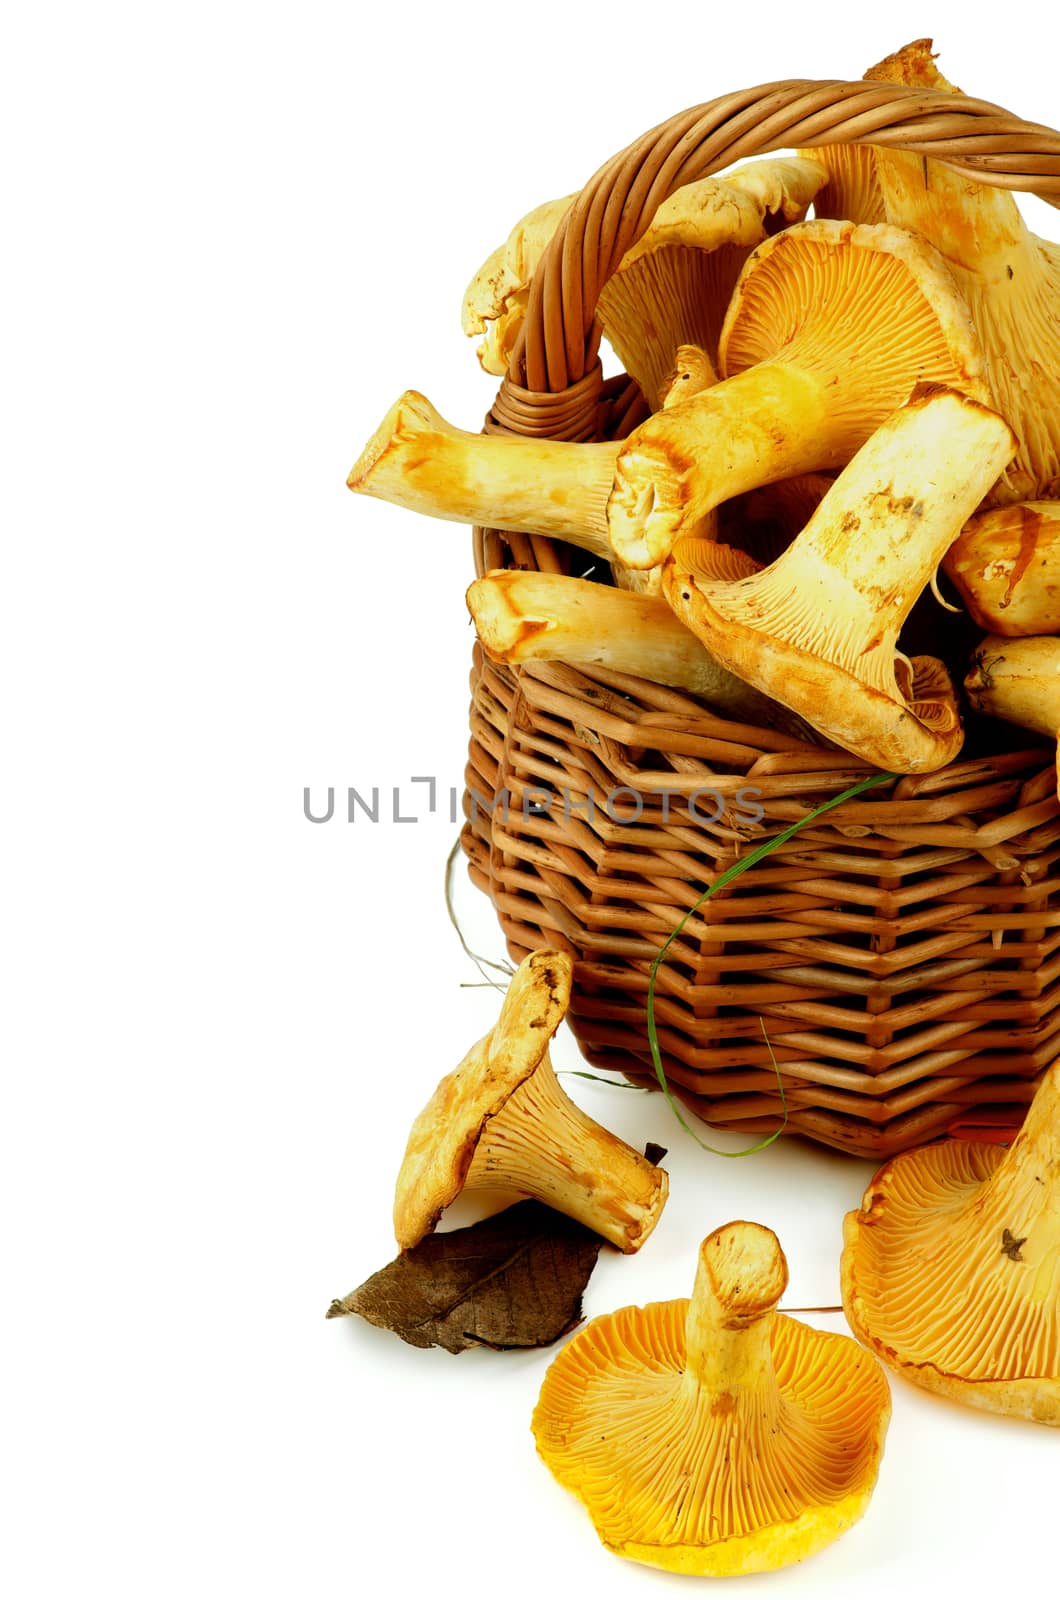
<point x="556" y="352"/>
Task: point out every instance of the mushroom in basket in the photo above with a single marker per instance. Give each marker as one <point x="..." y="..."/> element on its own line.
<point x="1009" y="278"/>
<point x="951" y="1268"/>
<point x="501" y="1121"/>
<point x="545" y="616"/>
<point x="714" y="1436"/>
<point x="671" y="288"/>
<point x="830" y="328"/>
<point x="1006" y="564"/>
<point x="1018" y="680"/>
<point x="818" y="629"/>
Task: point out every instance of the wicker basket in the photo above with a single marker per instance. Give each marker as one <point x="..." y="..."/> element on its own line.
<point x="902" y="954"/>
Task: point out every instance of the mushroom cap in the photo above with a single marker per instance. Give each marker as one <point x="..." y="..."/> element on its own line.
<point x="649" y="307"/>
<point x="914" y="727"/>
<point x="442" y="1142"/>
<point x="954" y="1283"/>
<point x="495" y="299"/>
<point x="871" y="307"/>
<point x="1009" y="278"/>
<point x="709" y="1481"/>
<point x="673" y="286"/>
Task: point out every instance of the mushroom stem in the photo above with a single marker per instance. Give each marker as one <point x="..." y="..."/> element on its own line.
<point x="544" y="616"/>
<point x="728" y="1331"/>
<point x="418" y="460"/>
<point x="1034" y="1156"/>
<point x="767" y="423"/>
<point x="818" y="629"/>
<point x="542" y="1145"/>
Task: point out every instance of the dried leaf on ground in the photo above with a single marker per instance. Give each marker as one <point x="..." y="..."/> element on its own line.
<point x="513" y="1281"/>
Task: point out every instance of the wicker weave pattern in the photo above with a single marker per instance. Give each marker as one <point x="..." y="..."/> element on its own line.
<point x="903" y="954"/>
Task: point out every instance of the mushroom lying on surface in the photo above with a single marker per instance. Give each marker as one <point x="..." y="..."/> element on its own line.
<point x="951" y="1268"/>
<point x="1009" y="278"/>
<point x="818" y="629"/>
<point x="830" y="328"/>
<point x="501" y="1121"/>
<point x="671" y="288"/>
<point x="544" y="616"/>
<point x="714" y="1436"/>
<point x="1006" y="564"/>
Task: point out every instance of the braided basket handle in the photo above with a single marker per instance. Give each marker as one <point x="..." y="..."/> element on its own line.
<point x="556" y="349"/>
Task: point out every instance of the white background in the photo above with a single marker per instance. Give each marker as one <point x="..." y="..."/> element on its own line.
<point x="234" y="234"/>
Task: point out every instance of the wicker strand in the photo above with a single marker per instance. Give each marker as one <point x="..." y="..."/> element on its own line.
<point x="557" y="342"/>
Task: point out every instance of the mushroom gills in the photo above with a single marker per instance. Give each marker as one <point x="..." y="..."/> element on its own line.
<point x="714" y="1436"/>
<point x="818" y="629"/>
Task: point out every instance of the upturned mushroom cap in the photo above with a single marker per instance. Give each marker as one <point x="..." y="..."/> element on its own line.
<point x="951" y="1268"/>
<point x="671" y="288"/>
<point x="1006" y="564"/>
<point x="1009" y="278"/>
<point x="714" y="1436"/>
<point x="831" y="326"/>
<point x="502" y="1121"/>
<point x="818" y="629"/>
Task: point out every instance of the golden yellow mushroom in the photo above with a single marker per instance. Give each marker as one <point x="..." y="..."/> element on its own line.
<point x="831" y="326"/>
<point x="714" y="1436"/>
<point x="818" y="629"/>
<point x="671" y="288"/>
<point x="501" y="1121"/>
<point x="1006" y="564"/>
<point x="951" y="1268"/>
<point x="1009" y="278"/>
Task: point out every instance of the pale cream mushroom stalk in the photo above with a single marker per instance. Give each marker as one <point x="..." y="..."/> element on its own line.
<point x="830" y="328"/>
<point x="544" y="616"/>
<point x="818" y="629"/>
<point x="418" y="460"/>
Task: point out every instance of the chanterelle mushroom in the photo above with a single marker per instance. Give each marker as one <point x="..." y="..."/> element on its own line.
<point x="818" y="629"/>
<point x="830" y="328"/>
<point x="1006" y="564"/>
<point x="1009" y="278"/>
<point x="501" y="1121"/>
<point x="951" y="1268"/>
<point x="671" y="288"/>
<point x="714" y="1436"/>
<point x="495" y="299"/>
<point x="418" y="460"/>
<point x="544" y="616"/>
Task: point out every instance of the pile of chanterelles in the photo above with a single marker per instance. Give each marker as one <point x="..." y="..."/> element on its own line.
<point x="843" y="404"/>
